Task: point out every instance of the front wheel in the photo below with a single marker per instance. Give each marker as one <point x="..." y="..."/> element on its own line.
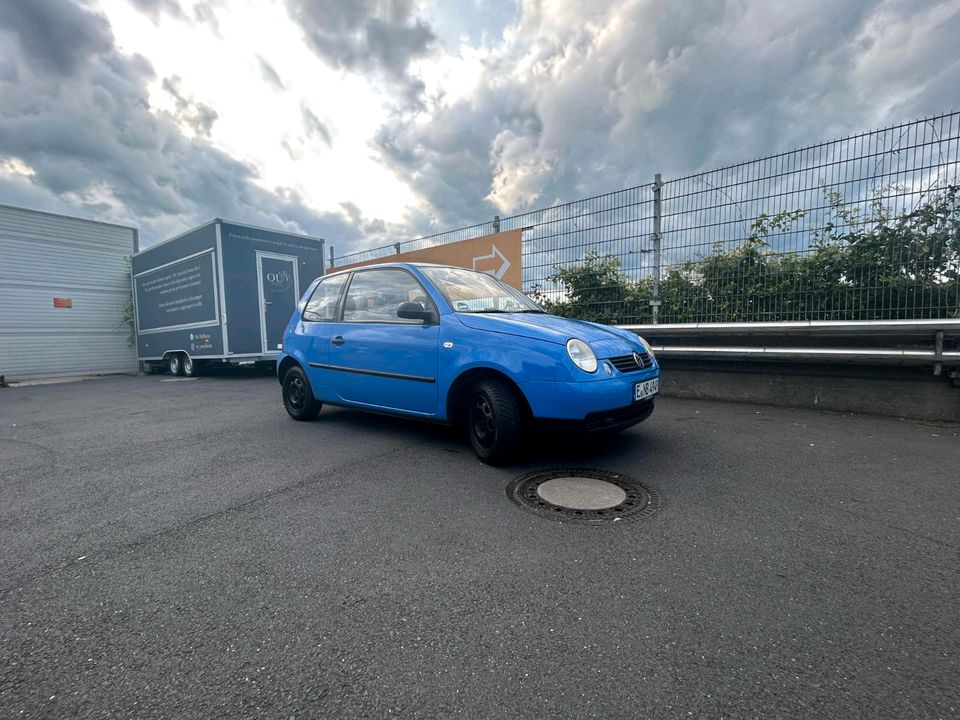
<point x="495" y="422"/>
<point x="298" y="397"/>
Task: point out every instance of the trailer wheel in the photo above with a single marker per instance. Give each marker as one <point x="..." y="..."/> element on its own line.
<point x="298" y="397"/>
<point x="175" y="364"/>
<point x="189" y="366"/>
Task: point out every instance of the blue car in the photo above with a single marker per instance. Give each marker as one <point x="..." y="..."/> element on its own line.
<point x="458" y="346"/>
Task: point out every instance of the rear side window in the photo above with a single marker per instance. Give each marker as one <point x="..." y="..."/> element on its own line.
<point x="322" y="305"/>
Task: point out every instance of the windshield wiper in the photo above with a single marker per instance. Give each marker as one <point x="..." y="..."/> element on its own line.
<point x="497" y="310"/>
<point x="542" y="312"/>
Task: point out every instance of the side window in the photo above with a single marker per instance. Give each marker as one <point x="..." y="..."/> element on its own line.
<point x="375" y="296"/>
<point x="322" y="305"/>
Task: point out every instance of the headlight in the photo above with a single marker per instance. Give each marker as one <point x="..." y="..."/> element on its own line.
<point x="646" y="346"/>
<point x="582" y="355"/>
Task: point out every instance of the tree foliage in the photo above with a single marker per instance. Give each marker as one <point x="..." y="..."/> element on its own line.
<point x="126" y="311"/>
<point x="878" y="265"/>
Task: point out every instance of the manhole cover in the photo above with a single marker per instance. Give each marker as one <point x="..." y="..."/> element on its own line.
<point x="579" y="495"/>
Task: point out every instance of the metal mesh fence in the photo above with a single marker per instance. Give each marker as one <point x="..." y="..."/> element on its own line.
<point x="861" y="228"/>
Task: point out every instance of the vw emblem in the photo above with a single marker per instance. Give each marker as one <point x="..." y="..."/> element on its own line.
<point x="638" y="359"/>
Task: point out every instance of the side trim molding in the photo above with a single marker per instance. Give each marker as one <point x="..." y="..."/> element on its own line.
<point x="375" y="373"/>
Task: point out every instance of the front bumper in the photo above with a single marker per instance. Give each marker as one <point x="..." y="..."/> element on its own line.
<point x="602" y="421"/>
<point x="586" y="400"/>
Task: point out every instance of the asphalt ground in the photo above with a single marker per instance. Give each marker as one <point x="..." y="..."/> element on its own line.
<point x="184" y="550"/>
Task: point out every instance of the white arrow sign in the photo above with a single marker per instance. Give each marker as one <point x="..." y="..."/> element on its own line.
<point x="493" y="256"/>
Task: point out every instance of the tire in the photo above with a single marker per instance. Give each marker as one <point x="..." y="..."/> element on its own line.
<point x="298" y="399"/>
<point x="188" y="366"/>
<point x="495" y="422"/>
<point x="175" y="364"/>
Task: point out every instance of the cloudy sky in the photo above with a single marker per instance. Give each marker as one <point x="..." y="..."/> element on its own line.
<point x="371" y="121"/>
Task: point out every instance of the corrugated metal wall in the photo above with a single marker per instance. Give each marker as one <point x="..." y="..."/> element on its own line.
<point x="43" y="257"/>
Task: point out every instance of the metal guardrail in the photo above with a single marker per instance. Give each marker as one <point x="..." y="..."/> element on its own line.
<point x="802" y="327"/>
<point x="848" y="355"/>
<point x="936" y="330"/>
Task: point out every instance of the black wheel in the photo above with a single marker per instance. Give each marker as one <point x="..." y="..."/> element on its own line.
<point x="189" y="367"/>
<point x="175" y="364"/>
<point x="298" y="397"/>
<point x="495" y="422"/>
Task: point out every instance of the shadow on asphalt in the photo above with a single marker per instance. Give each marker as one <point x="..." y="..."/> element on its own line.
<point x="232" y="373"/>
<point x="540" y="447"/>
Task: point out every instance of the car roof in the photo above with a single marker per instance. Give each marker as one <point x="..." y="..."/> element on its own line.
<point x="401" y="264"/>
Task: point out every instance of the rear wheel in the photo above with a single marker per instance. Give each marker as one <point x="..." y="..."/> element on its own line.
<point x="190" y="367"/>
<point x="298" y="397"/>
<point x="495" y="422"/>
<point x="175" y="364"/>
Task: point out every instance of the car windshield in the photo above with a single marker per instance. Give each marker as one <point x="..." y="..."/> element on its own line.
<point x="469" y="291"/>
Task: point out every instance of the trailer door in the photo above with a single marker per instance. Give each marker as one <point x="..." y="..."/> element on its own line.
<point x="279" y="288"/>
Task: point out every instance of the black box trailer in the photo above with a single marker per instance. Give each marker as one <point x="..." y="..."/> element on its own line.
<point x="220" y="293"/>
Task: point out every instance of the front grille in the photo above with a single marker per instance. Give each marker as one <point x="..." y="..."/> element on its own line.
<point x="627" y="363"/>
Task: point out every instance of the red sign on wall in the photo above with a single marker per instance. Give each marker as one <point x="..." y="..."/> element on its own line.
<point x="63" y="302"/>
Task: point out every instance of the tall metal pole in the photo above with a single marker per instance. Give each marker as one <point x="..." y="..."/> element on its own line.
<point x="331" y="256"/>
<point x="657" y="214"/>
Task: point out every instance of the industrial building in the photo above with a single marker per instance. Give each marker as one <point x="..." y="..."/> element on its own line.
<point x="64" y="287"/>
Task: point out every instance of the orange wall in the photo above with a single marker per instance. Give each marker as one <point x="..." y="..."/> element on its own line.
<point x="489" y="253"/>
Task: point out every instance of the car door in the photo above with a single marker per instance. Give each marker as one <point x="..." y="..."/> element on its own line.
<point x="316" y="323"/>
<point x="377" y="358"/>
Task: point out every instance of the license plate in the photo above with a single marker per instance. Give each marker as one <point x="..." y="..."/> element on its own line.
<point x="645" y="389"/>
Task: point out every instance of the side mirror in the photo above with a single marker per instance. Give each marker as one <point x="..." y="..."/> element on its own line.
<point x="416" y="311"/>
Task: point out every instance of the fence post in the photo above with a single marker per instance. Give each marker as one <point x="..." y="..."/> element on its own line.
<point x="938" y="349"/>
<point x="657" y="214"/>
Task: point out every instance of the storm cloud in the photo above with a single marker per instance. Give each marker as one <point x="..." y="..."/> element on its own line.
<point x="97" y="147"/>
<point x="270" y="75"/>
<point x="154" y="8"/>
<point x="314" y="127"/>
<point x="560" y="101"/>
<point x="380" y="36"/>
<point x="198" y="116"/>
<point x="584" y="98"/>
<point x="58" y="37"/>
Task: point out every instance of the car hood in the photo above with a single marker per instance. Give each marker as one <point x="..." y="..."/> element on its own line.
<point x="605" y="341"/>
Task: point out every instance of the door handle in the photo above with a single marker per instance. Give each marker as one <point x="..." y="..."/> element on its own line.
<point x="338" y="340"/>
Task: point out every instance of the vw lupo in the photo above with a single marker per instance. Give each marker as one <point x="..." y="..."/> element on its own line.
<point x="458" y="346"/>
